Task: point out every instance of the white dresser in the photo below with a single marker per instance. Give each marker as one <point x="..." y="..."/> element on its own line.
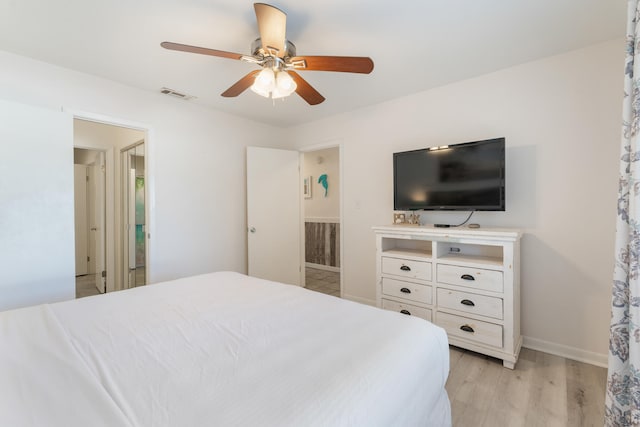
<point x="465" y="280"/>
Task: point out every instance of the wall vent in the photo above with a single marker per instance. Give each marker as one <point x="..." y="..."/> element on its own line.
<point x="176" y="94"/>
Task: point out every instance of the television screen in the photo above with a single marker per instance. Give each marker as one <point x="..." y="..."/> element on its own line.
<point x="466" y="176"/>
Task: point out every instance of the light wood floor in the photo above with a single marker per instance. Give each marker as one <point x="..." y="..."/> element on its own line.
<point x="543" y="390"/>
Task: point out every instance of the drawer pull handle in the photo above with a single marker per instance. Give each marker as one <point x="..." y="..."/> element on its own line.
<point x="467" y="302"/>
<point x="405" y="268"/>
<point x="405" y="290"/>
<point x="467" y="277"/>
<point x="407" y="312"/>
<point x="467" y="328"/>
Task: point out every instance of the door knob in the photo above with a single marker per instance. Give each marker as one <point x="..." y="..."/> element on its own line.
<point x="252" y="230"/>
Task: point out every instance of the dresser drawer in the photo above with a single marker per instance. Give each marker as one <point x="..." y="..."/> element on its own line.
<point x="406" y="268"/>
<point x="407" y="290"/>
<point x="471" y="303"/>
<point x="489" y="280"/>
<point x="470" y="329"/>
<point x="407" y="309"/>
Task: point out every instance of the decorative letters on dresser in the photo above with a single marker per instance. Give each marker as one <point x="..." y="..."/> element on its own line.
<point x="465" y="281"/>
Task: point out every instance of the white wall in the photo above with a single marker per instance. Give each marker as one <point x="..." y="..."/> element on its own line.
<point x="196" y="156"/>
<point x="316" y="163"/>
<point x="561" y="119"/>
<point x="36" y="206"/>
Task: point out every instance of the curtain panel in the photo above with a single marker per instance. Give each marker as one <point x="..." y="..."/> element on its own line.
<point x="623" y="379"/>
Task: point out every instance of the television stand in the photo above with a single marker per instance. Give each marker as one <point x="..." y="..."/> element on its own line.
<point x="465" y="281"/>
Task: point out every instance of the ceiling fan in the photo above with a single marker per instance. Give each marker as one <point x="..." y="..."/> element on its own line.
<point x="277" y="57"/>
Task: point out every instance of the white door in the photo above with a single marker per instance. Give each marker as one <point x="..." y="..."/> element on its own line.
<point x="273" y="214"/>
<point x="80" y="215"/>
<point x="91" y="213"/>
<point x="98" y="220"/>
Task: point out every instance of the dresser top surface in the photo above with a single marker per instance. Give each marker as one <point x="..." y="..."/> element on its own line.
<point x="444" y="232"/>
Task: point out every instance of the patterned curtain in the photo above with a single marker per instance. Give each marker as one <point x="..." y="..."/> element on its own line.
<point x="623" y="382"/>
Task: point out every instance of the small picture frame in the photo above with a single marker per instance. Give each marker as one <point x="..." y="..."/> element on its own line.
<point x="399" y="218"/>
<point x="306" y="187"/>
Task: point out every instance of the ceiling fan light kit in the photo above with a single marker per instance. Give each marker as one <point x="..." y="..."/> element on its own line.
<point x="264" y="82"/>
<point x="273" y="82"/>
<point x="285" y="85"/>
<point x="277" y="57"/>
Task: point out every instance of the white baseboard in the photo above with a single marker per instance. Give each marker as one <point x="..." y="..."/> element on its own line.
<point x="322" y="267"/>
<point x="360" y="300"/>
<point x="572" y="353"/>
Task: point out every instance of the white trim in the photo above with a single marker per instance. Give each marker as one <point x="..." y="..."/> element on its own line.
<point x="572" y="353"/>
<point x="150" y="167"/>
<point x="322" y="220"/>
<point x="107" y="120"/>
<point x="322" y="267"/>
<point x="322" y="146"/>
<point x="360" y="300"/>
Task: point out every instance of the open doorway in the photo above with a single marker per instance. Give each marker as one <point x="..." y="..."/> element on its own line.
<point x="321" y="210"/>
<point x="104" y="144"/>
<point x="133" y="208"/>
<point x="89" y="215"/>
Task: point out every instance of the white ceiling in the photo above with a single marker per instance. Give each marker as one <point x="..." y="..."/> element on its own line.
<point x="415" y="44"/>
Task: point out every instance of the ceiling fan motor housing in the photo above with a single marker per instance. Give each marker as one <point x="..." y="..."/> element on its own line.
<point x="257" y="50"/>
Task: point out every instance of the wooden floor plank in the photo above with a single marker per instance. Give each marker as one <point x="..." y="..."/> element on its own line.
<point x="512" y="396"/>
<point x="542" y="390"/>
<point x="474" y="394"/>
<point x="548" y="398"/>
<point x="585" y="392"/>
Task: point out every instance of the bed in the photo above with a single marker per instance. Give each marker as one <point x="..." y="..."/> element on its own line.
<point x="220" y="349"/>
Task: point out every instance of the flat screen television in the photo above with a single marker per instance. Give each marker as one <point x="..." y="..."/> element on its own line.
<point x="467" y="176"/>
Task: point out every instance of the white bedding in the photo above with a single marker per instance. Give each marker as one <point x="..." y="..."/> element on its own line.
<point x="220" y="349"/>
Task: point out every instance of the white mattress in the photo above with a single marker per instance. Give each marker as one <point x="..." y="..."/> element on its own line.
<point x="220" y="349"/>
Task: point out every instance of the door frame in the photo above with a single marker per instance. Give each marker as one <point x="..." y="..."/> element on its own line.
<point x="149" y="164"/>
<point x="124" y="271"/>
<point x="308" y="149"/>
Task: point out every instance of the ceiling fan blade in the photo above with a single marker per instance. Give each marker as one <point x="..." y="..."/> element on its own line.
<point x="272" y="25"/>
<point x="241" y="85"/>
<point x="200" y="50"/>
<point x="345" y="64"/>
<point x="305" y="90"/>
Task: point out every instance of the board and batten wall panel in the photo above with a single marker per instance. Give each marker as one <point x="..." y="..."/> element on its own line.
<point x="322" y="243"/>
<point x="36" y="206"/>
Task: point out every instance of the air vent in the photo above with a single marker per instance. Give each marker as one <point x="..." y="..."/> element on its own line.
<point x="176" y="94"/>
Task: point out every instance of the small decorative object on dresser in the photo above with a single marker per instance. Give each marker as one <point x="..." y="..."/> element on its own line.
<point x="465" y="281"/>
<point x="413" y="218"/>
